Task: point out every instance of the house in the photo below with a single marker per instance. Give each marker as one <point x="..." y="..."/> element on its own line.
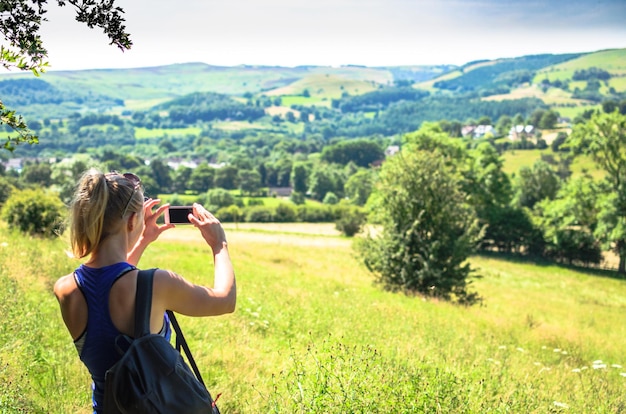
<point x="478" y="131"/>
<point x="280" y="191"/>
<point x="521" y="131"/>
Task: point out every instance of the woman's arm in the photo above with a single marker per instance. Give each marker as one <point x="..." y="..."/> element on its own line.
<point x="184" y="297"/>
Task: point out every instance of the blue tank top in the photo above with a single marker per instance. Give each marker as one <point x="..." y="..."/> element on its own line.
<point x="97" y="345"/>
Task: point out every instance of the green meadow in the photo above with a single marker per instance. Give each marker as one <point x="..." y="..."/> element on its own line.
<point x="313" y="334"/>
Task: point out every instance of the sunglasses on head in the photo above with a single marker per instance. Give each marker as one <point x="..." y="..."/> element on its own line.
<point x="134" y="180"/>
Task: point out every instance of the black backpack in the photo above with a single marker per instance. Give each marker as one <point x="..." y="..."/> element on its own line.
<point x="151" y="376"/>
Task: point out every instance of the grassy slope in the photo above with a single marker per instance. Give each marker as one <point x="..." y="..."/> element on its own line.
<point x="311" y="333"/>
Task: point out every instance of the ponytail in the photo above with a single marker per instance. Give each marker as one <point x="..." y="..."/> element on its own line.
<point x="95" y="210"/>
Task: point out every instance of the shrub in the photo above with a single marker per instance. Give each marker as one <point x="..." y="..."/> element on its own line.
<point x="309" y="213"/>
<point x="34" y="212"/>
<point x="258" y="214"/>
<point x="330" y="198"/>
<point x="285" y="213"/>
<point x="5" y="190"/>
<point x="297" y="198"/>
<point x="350" y="220"/>
<point x="231" y="214"/>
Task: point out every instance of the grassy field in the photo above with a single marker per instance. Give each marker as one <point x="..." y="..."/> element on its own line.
<point x="515" y="159"/>
<point x="312" y="333"/>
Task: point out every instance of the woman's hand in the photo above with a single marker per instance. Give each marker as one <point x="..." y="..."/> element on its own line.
<point x="209" y="226"/>
<point x="152" y="230"/>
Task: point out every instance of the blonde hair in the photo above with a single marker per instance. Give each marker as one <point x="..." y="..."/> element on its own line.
<point x="97" y="207"/>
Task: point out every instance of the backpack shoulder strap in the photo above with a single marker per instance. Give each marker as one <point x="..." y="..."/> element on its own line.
<point x="143" y="302"/>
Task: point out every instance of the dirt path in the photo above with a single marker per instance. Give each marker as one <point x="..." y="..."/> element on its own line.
<point x="299" y="234"/>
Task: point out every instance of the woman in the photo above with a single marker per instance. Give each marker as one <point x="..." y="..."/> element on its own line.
<point x="111" y="225"/>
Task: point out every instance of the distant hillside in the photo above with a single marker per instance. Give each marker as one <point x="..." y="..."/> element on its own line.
<point x="145" y="87"/>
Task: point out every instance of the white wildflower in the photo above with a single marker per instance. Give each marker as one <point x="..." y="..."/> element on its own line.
<point x="618" y="366"/>
<point x="563" y="352"/>
<point x="521" y="349"/>
<point x="623" y="374"/>
<point x="599" y="366"/>
<point x="576" y="370"/>
<point x="4" y="244"/>
<point x="502" y="347"/>
<point x="561" y="405"/>
<point x="556" y="350"/>
<point x="597" y="362"/>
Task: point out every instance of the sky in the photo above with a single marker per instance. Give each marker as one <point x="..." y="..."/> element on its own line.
<point x="335" y="32"/>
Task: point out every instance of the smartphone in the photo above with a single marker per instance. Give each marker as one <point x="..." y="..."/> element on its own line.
<point x="178" y="214"/>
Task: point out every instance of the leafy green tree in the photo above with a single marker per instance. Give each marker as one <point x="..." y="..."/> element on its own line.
<point x="604" y="138"/>
<point x="569" y="221"/>
<point x="202" y="178"/>
<point x="299" y="177"/>
<point x="359" y="186"/>
<point x="427" y="228"/>
<point x="24" y="50"/>
<point x="39" y="173"/>
<point x="325" y="179"/>
<point x="548" y="120"/>
<point x="161" y="173"/>
<point x="534" y="184"/>
<point x="180" y="179"/>
<point x="226" y="177"/>
<point x="249" y="181"/>
<point x="360" y="151"/>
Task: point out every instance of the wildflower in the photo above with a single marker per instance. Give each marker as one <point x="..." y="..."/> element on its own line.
<point x="599" y="366"/>
<point x="597" y="362"/>
<point x="502" y="347"/>
<point x="576" y="370"/>
<point x="538" y="364"/>
<point x="556" y="350"/>
<point x="623" y="374"/>
<point x="521" y="349"/>
<point x="561" y="405"/>
<point x="4" y="244"/>
<point x="616" y="366"/>
<point x="563" y="352"/>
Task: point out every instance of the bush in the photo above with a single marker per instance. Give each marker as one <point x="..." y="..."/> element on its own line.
<point x="232" y="214"/>
<point x="330" y="198"/>
<point x="350" y="220"/>
<point x="34" y="212"/>
<point x="315" y="214"/>
<point x="259" y="214"/>
<point x="285" y="213"/>
<point x="5" y="190"/>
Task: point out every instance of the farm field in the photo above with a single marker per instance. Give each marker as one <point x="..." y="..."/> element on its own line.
<point x="312" y="334"/>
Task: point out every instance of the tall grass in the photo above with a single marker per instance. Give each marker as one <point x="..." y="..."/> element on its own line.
<point x="312" y="334"/>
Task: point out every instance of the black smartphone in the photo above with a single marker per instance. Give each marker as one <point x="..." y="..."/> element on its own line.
<point x="178" y="214"/>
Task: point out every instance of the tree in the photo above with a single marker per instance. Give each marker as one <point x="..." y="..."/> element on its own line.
<point x="568" y="222"/>
<point x="202" y="177"/>
<point x="249" y="181"/>
<point x="535" y="184"/>
<point x="427" y="228"/>
<point x="299" y="177"/>
<point x="20" y="21"/>
<point x="604" y="138"/>
<point x="359" y="186"/>
<point x="226" y="177"/>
